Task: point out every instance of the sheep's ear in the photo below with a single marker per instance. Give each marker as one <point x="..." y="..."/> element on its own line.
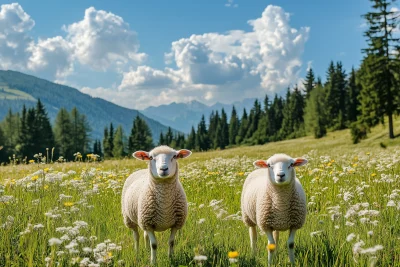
<point x="142" y="155"/>
<point x="260" y="163"/>
<point x="300" y="162"/>
<point x="183" y="153"/>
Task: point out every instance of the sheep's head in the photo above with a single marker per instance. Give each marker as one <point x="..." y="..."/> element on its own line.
<point x="162" y="160"/>
<point x="281" y="168"/>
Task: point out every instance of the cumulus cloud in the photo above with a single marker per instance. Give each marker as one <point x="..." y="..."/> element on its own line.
<point x="227" y="67"/>
<point x="103" y="40"/>
<point x="15" y="25"/>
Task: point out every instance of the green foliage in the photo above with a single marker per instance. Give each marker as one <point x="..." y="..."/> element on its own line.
<point x="62" y="133"/>
<point x="309" y="82"/>
<point x="234" y="125"/>
<point x="315" y="116"/>
<point x="140" y="137"/>
<point x="118" y="143"/>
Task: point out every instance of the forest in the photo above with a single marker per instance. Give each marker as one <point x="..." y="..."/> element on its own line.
<point x="357" y="99"/>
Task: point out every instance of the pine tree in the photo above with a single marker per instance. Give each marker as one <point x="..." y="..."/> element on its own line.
<point x="254" y="119"/>
<point x="353" y="103"/>
<point x="212" y="129"/>
<point x="169" y="137"/>
<point x="315" y="114"/>
<point x="106" y="145"/>
<point x="140" y="137"/>
<point x="380" y="66"/>
<point x="23" y="136"/>
<point x="111" y="140"/>
<point x="62" y="132"/>
<point x="341" y="84"/>
<point x="202" y="139"/>
<point x="191" y="140"/>
<point x="42" y="131"/>
<point x="80" y="131"/>
<point x="244" y="122"/>
<point x="309" y="83"/>
<point x="118" y="144"/>
<point x="234" y="125"/>
<point x="224" y="136"/>
<point x="275" y="118"/>
<point x="161" y="140"/>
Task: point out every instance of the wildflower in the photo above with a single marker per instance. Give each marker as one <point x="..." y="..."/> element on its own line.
<point x="38" y="226"/>
<point x="271" y="247"/>
<point x="201" y="221"/>
<point x="315" y="233"/>
<point x="46" y="169"/>
<point x="373" y="174"/>
<point x="350" y="237"/>
<point x="233" y="254"/>
<point x="200" y="258"/>
<point x="391" y="203"/>
<point x="34" y="178"/>
<point x="68" y="204"/>
<point x="54" y="241"/>
<point x="45" y="187"/>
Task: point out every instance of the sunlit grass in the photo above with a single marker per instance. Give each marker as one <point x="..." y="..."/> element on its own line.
<point x="74" y="217"/>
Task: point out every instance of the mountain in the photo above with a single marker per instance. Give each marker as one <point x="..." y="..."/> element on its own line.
<point x="17" y="89"/>
<point x="182" y="116"/>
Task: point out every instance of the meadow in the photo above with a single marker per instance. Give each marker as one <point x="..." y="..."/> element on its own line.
<point x="69" y="214"/>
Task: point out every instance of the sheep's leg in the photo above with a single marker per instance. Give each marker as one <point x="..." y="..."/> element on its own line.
<point x="171" y="242"/>
<point x="276" y="238"/>
<point x="153" y="242"/>
<point x="146" y="240"/>
<point x="291" y="245"/>
<point x="253" y="238"/>
<point x="136" y="239"/>
<point x="271" y="249"/>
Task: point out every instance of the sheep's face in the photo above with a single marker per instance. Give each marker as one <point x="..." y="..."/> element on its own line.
<point x="162" y="161"/>
<point x="281" y="168"/>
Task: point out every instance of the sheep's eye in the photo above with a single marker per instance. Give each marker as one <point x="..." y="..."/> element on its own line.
<point x="269" y="165"/>
<point x="291" y="165"/>
<point x="151" y="158"/>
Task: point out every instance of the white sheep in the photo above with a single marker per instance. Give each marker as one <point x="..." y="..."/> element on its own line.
<point x="274" y="199"/>
<point x="154" y="199"/>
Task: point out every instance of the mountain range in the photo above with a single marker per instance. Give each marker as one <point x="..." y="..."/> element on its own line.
<point x="18" y="89"/>
<point x="182" y="116"/>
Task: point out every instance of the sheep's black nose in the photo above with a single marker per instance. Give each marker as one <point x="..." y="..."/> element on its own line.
<point x="164" y="169"/>
<point x="281" y="175"/>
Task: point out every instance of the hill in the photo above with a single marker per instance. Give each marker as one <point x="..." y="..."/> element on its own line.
<point x="18" y="89"/>
<point x="182" y="116"/>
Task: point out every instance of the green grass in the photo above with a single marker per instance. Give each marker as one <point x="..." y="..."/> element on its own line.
<point x="339" y="178"/>
<point x="14" y="94"/>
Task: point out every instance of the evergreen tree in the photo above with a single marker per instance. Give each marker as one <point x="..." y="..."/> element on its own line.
<point x="202" y="139"/>
<point x="118" y="144"/>
<point x="254" y="119"/>
<point x="161" y="140"/>
<point x="332" y="95"/>
<point x="106" y="145"/>
<point x="3" y="150"/>
<point x="343" y="96"/>
<point x="309" y="83"/>
<point x="315" y="114"/>
<point x="111" y="140"/>
<point x="244" y="122"/>
<point x="353" y="103"/>
<point x="191" y="140"/>
<point x="381" y="65"/>
<point x="62" y="132"/>
<point x="169" y="137"/>
<point x="212" y="129"/>
<point x="80" y="131"/>
<point x="140" y="137"/>
<point x="223" y="138"/>
<point x="234" y="125"/>
<point x="23" y="136"/>
<point x="42" y="132"/>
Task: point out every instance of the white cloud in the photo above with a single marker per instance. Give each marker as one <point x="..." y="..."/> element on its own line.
<point x="51" y="57"/>
<point x="226" y="67"/>
<point x="14" y="39"/>
<point x="103" y="40"/>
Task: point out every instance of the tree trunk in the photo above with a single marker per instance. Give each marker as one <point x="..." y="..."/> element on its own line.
<point x="391" y="134"/>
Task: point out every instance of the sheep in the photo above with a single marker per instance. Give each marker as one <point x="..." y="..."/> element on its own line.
<point x="273" y="198"/>
<point x="153" y="198"/>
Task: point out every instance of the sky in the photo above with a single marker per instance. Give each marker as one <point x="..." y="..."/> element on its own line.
<point x="147" y="53"/>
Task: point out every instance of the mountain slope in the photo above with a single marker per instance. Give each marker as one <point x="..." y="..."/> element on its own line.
<point x="17" y="89"/>
<point x="182" y="116"/>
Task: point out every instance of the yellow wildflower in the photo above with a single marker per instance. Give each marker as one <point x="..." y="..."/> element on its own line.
<point x="233" y="254"/>
<point x="109" y="254"/>
<point x="46" y="169"/>
<point x="31" y="161"/>
<point x="240" y="173"/>
<point x="45" y="187"/>
<point x="355" y="165"/>
<point x="271" y="247"/>
<point x="68" y="204"/>
<point x="373" y="174"/>
<point x="34" y="178"/>
<point x="368" y="153"/>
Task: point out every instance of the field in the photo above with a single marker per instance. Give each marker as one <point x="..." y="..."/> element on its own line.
<point x="69" y="214"/>
<point x="13" y="94"/>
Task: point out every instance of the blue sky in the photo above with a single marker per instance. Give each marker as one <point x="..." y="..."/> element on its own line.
<point x="215" y="54"/>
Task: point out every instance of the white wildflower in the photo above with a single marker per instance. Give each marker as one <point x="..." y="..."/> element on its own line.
<point x="54" y="241"/>
<point x="350" y="237"/>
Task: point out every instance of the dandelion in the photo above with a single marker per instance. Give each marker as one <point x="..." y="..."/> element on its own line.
<point x="34" y="178"/>
<point x="233" y="254"/>
<point x="373" y="174"/>
<point x="68" y="204"/>
<point x="271" y="247"/>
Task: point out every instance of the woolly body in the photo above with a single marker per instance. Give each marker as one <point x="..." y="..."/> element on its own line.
<point x="272" y="207"/>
